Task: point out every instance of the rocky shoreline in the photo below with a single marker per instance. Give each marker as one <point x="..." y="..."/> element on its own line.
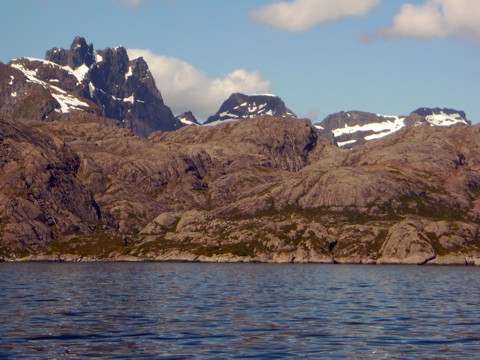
<point x="177" y="257"/>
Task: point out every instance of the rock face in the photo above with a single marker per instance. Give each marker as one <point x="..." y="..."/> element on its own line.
<point x="352" y="128"/>
<point x="79" y="54"/>
<point x="104" y="82"/>
<point x="241" y="106"/>
<point x="41" y="196"/>
<point x="268" y="189"/>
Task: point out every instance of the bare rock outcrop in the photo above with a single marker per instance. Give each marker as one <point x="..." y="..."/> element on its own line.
<point x="41" y="197"/>
<point x="406" y="244"/>
<point x="266" y="189"/>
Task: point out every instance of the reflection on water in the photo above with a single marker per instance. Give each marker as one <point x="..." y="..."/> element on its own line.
<point x="166" y="310"/>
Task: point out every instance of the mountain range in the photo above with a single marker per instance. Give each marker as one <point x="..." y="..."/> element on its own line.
<point x="107" y="83"/>
<point x="357" y="127"/>
<point x="254" y="183"/>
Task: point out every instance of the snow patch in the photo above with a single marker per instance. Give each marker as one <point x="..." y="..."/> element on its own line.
<point x="57" y="89"/>
<point x="269" y="95"/>
<point x="319" y="127"/>
<point x="218" y="122"/>
<point x="129" y="73"/>
<point x="44" y="62"/>
<point x="444" y="119"/>
<point x="98" y="57"/>
<point x="241" y="105"/>
<point x="68" y="103"/>
<point x="11" y="80"/>
<point x="186" y="121"/>
<point x="30" y="74"/>
<point x="227" y="114"/>
<point x="378" y="135"/>
<point x="91" y="89"/>
<point x="13" y="94"/>
<point x="130" y="99"/>
<point x="79" y="72"/>
<point x="343" y="143"/>
<point x="381" y="129"/>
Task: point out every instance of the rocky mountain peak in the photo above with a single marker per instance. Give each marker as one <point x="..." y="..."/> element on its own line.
<point x="82" y="79"/>
<point x="242" y="106"/>
<point x="188" y="118"/>
<point x="80" y="53"/>
<point x="140" y="68"/>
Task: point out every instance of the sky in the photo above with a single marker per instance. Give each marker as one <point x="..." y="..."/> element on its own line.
<point x="320" y="56"/>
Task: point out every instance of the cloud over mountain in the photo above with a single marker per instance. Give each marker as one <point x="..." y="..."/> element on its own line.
<point x="436" y="19"/>
<point x="184" y="87"/>
<point x="301" y="15"/>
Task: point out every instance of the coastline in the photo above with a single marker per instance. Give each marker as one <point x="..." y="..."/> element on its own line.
<point x="447" y="260"/>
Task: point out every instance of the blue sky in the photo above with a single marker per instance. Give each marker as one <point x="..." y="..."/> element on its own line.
<point x="319" y="56"/>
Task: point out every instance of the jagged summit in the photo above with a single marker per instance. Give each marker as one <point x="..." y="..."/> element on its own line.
<point x="104" y="82"/>
<point x="80" y="53"/>
<point x="242" y="106"/>
<point x="351" y="128"/>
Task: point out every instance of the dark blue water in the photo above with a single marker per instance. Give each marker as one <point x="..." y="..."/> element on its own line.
<point x="165" y="310"/>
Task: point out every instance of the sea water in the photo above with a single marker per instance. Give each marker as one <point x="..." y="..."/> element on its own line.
<point x="215" y="311"/>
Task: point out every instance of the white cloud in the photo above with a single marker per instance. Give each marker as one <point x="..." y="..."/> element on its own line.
<point x="436" y="19"/>
<point x="184" y="87"/>
<point x="301" y="15"/>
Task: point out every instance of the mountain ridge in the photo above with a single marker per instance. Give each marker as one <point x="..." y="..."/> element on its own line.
<point x="105" y="82"/>
<point x="272" y="187"/>
<point x="109" y="84"/>
<point x="351" y="128"/>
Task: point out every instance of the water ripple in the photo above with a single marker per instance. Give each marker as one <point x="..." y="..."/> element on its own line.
<point x="241" y="311"/>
